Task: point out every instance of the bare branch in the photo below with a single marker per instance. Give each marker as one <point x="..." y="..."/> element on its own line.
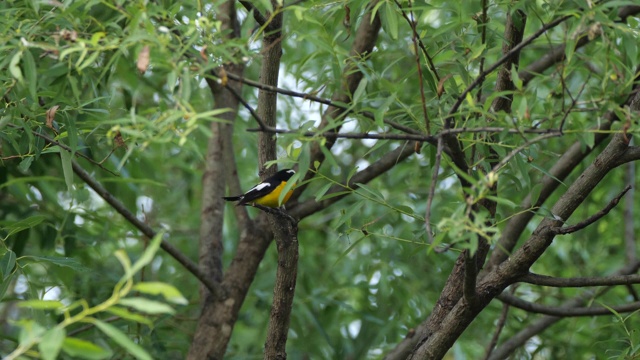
<point x="593" y="218"/>
<point x="544" y="280"/>
<point x="565" y="311"/>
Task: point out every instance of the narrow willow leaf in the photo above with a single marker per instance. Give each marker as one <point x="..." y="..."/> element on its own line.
<point x="147" y="306"/>
<point x="82" y="349"/>
<point x="51" y="343"/>
<point x="67" y="168"/>
<point x="169" y="292"/>
<point x="123" y="340"/>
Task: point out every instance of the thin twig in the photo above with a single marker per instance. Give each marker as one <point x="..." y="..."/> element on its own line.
<point x="543" y="280"/>
<point x="566" y="311"/>
<point x="502" y="320"/>
<point x="593" y="218"/>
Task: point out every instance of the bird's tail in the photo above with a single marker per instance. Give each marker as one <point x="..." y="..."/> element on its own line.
<point x="232" y="198"/>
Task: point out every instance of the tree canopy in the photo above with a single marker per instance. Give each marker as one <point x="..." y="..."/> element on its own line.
<point x="464" y="187"/>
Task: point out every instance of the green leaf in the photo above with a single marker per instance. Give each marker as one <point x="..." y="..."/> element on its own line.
<point x="4" y="285"/>
<point x="147" y="306"/>
<point x="377" y="194"/>
<point x="128" y="315"/>
<point x="169" y="292"/>
<point x="502" y="201"/>
<point x="31" y="74"/>
<point x="72" y="133"/>
<point x="41" y="304"/>
<point x="83" y="349"/>
<point x="27" y="223"/>
<point x="67" y="168"/>
<point x="7" y="264"/>
<point x="51" y="343"/>
<point x="30" y="331"/>
<point x="55" y="260"/>
<point x="25" y="164"/>
<point x="323" y="190"/>
<point x="390" y="19"/>
<point x="362" y="87"/>
<point x="146" y="257"/>
<point x="14" y="67"/>
<point x="123" y="340"/>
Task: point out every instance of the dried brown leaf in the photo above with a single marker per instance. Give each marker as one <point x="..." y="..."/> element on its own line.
<point x="441" y="85"/>
<point x="143" y="59"/>
<point x="51" y="115"/>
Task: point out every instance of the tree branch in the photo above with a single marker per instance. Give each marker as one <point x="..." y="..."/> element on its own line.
<point x="564" y="311"/>
<point x="593" y="218"/>
<point x="544" y="280"/>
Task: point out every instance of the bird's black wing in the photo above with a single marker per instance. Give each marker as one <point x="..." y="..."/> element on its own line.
<point x="256" y="192"/>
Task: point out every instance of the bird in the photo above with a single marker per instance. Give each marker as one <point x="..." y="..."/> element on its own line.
<point x="267" y="193"/>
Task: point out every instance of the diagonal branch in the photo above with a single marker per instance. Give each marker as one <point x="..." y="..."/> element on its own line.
<point x="543" y="280"/>
<point x="562" y="311"/>
<point x="593" y="218"/>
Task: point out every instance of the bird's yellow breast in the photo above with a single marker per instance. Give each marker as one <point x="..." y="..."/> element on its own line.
<point x="271" y="199"/>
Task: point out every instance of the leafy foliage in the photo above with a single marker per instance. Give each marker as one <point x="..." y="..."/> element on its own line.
<point x="121" y="88"/>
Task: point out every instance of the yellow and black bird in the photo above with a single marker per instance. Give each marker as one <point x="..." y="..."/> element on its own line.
<point x="267" y="192"/>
